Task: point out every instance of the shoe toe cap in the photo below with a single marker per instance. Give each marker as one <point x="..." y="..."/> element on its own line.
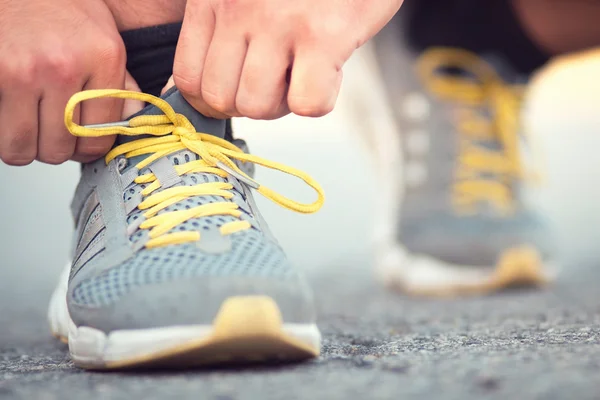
<point x="182" y="285"/>
<point x="192" y="302"/>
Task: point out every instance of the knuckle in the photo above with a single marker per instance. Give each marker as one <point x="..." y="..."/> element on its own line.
<point x="256" y="109"/>
<point x="55" y="158"/>
<point x="88" y="153"/>
<point x="302" y="107"/>
<point x="306" y="28"/>
<point x="218" y="102"/>
<point x="20" y="72"/>
<point x="186" y="82"/>
<point x="57" y="152"/>
<point x="62" y="67"/>
<point x="18" y="151"/>
<point x="254" y="112"/>
<point x="16" y="160"/>
<point x="92" y="149"/>
<point x="20" y="138"/>
<point x="111" y="52"/>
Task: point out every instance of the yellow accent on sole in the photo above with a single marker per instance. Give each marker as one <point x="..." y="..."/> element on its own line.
<point x="63" y="339"/>
<point x="246" y="330"/>
<point x="516" y="267"/>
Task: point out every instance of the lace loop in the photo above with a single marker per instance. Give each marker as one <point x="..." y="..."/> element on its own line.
<point x="172" y="133"/>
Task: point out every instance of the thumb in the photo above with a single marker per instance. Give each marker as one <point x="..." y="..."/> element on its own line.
<point x="168" y="86"/>
<point x="131" y="106"/>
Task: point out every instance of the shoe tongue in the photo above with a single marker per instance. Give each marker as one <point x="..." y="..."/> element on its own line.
<point x="202" y="124"/>
<point x="174" y="97"/>
<point x="505" y="70"/>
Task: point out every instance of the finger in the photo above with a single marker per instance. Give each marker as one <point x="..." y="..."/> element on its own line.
<point x="263" y="85"/>
<point x="99" y="111"/>
<point x="55" y="143"/>
<point x="130" y="106"/>
<point x="18" y="126"/>
<point x="223" y="69"/>
<point x="315" y="84"/>
<point x="192" y="48"/>
<point x="169" y="85"/>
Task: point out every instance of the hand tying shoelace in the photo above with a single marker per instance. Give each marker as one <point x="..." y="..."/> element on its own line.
<point x="174" y="132"/>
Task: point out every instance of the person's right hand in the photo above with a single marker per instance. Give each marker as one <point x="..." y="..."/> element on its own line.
<point x="50" y="50"/>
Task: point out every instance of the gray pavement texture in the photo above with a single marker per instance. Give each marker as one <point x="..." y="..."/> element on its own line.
<point x="524" y="345"/>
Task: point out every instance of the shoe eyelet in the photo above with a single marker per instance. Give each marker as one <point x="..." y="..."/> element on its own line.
<point x="121" y="164"/>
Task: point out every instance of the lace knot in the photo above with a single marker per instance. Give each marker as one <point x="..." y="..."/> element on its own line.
<point x="186" y="133"/>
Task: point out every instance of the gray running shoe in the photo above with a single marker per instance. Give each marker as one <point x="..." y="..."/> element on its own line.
<point x="173" y="265"/>
<point x="465" y="223"/>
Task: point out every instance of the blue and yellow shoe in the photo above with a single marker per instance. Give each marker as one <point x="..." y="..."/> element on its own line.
<point x="173" y="265"/>
<point x="465" y="222"/>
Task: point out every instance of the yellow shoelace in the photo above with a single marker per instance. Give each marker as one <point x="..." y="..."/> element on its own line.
<point x="483" y="88"/>
<point x="174" y="132"/>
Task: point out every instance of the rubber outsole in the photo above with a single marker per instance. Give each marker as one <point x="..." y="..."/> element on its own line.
<point x="247" y="329"/>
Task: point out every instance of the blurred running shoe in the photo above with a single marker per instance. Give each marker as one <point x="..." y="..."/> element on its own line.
<point x="464" y="223"/>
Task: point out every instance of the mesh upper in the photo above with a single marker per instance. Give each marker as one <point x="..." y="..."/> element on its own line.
<point x="252" y="255"/>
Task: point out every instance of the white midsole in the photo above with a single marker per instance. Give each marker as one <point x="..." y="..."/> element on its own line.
<point x="397" y="266"/>
<point x="94" y="347"/>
